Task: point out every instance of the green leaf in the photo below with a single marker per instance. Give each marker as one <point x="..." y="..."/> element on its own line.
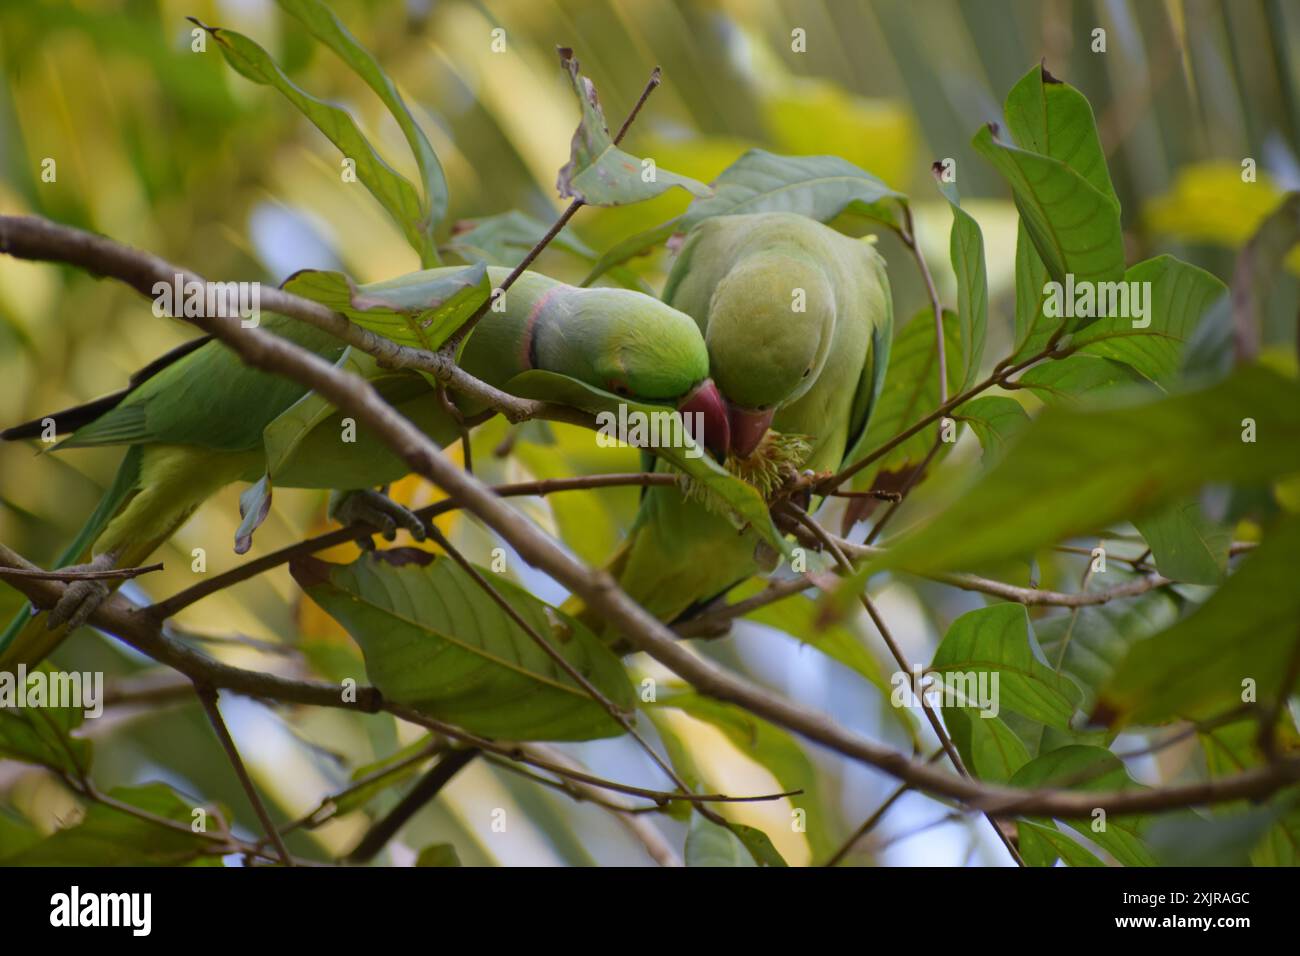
<point x="286" y="433"/>
<point x="631" y="247"/>
<point x="758" y="843"/>
<point x="1180" y="295"/>
<point x="1088" y="643"/>
<point x="1041" y="844"/>
<point x="37" y="733"/>
<point x="966" y="250"/>
<point x="393" y="191"/>
<point x="1225" y="839"/>
<point x="108" y="836"/>
<point x="739" y="500"/>
<point x="1091" y="768"/>
<point x="1246" y="630"/>
<point x="1233" y="748"/>
<point x="420" y="309"/>
<point x="989" y="748"/>
<point x="769" y="746"/>
<point x="996" y="640"/>
<point x="1069" y="380"/>
<point x="325" y="26"/>
<point x="433" y="640"/>
<point x="819" y="187"/>
<point x="1050" y="117"/>
<point x="1186" y="545"/>
<point x="1033" y="327"/>
<point x="598" y="172"/>
<point x="708" y="844"/>
<point x="1074" y="227"/>
<point x="438" y="854"/>
<point x="504" y="240"/>
<point x="1073" y="471"/>
<point x="910" y="392"/>
<point x="996" y="421"/>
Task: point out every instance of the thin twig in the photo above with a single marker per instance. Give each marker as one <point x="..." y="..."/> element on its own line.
<point x="208" y="698"/>
<point x="68" y="575"/>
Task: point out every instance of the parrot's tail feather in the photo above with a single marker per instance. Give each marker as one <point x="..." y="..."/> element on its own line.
<point x="576" y="607"/>
<point x="27" y="639"/>
<point x="70" y="419"/>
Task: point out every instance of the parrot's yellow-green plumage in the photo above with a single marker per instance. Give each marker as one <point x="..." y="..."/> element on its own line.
<point x="798" y="321"/>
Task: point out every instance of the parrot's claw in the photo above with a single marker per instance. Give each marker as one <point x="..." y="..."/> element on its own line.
<point x="377" y="510"/>
<point x="81" y="599"/>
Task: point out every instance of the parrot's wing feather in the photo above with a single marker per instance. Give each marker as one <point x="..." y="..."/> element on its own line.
<point x="208" y="397"/>
<point x="869" y="386"/>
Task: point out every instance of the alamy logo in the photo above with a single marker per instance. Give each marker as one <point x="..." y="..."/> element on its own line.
<point x="666" y="429"/>
<point x="1103" y="300"/>
<point x="181" y="298"/>
<point x="42" y="688"/>
<point x="103" y="909"/>
<point x="978" y="689"/>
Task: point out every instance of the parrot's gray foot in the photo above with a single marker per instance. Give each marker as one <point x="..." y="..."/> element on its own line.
<point x="377" y="510"/>
<point x="81" y="599"/>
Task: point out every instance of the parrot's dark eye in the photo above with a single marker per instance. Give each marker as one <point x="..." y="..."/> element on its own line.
<point x="807" y="371"/>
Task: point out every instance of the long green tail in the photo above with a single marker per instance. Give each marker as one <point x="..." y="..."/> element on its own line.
<point x="27" y="640"/>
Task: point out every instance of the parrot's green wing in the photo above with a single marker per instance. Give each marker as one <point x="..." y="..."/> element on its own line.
<point x="869" y="386"/>
<point x="208" y="398"/>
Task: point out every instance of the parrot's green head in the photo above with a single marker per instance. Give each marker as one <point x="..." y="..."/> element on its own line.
<point x="771" y="323"/>
<point x="648" y="351"/>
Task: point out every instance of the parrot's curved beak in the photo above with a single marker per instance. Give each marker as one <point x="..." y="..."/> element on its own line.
<point x="706" y="402"/>
<point x="747" y="428"/>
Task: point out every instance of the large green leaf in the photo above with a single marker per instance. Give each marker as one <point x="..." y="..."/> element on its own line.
<point x="108" y="836"/>
<point x="1074" y="227"/>
<point x="598" y="172"/>
<point x="1073" y="471"/>
<point x="910" y="392"/>
<point x="1185" y="544"/>
<point x="996" y="640"/>
<point x="325" y="26"/>
<point x="1088" y="643"/>
<point x="1072" y="379"/>
<point x="819" y="187"/>
<point x="395" y="193"/>
<point x="1179" y="296"/>
<point x="1091" y="768"/>
<point x="420" y="309"/>
<point x="996" y="421"/>
<point x="966" y="250"/>
<point x="739" y="500"/>
<point x="1050" y="117"/>
<point x="433" y="640"/>
<point x="1245" y="631"/>
<point x="768" y="745"/>
<point x="989" y="748"/>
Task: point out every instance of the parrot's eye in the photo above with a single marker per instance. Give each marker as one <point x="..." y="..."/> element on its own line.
<point x="807" y="371"/>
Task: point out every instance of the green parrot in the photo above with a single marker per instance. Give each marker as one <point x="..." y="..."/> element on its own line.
<point x="198" y="419"/>
<point x="798" y="321"/>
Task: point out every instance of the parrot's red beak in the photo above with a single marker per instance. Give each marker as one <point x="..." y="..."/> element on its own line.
<point x="747" y="428"/>
<point x="705" y="401"/>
